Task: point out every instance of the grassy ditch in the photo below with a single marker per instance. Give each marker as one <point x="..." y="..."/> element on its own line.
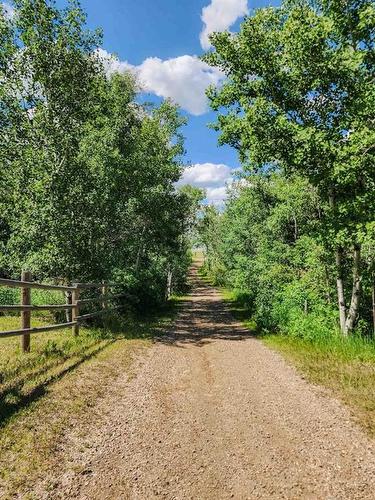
<point x="345" y="366"/>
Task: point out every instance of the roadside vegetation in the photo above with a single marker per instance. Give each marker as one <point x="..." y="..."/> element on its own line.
<point x="297" y="233"/>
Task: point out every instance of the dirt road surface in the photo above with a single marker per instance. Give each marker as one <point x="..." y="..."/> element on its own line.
<point x="211" y="413"/>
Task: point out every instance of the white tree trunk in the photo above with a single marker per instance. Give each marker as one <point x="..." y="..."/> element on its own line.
<point x="339" y="277"/>
<point x="356" y="291"/>
<point x="140" y="249"/>
<point x="340" y="290"/>
<point x="68" y="312"/>
<point x="169" y="284"/>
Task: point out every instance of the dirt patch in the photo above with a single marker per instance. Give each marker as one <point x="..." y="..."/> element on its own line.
<point x="213" y="414"/>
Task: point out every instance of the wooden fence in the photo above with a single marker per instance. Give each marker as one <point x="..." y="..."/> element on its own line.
<point x="26" y="307"/>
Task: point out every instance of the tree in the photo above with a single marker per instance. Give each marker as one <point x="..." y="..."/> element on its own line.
<point x="264" y="248"/>
<point x="300" y="98"/>
<point x="49" y="82"/>
<point x="88" y="176"/>
<point x="194" y="197"/>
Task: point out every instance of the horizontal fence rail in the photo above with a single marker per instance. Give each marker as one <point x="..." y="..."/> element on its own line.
<point x="26" y="307"/>
<point x="32" y="284"/>
<point x="52" y="307"/>
<point x="37" y="329"/>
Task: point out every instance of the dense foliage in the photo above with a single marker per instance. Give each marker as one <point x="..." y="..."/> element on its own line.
<point x="299" y="106"/>
<point x="87" y="179"/>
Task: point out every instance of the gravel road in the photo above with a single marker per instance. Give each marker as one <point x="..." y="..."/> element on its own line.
<point x="211" y="413"/>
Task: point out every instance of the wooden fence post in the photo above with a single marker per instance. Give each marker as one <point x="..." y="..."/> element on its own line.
<point x="68" y="312"/>
<point x="25" y="315"/>
<point x="75" y="311"/>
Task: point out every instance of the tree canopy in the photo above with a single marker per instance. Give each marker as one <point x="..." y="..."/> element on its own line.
<point x="88" y="175"/>
<point x="299" y="100"/>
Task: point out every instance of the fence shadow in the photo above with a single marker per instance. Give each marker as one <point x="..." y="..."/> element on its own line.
<point x="13" y="398"/>
<point x="13" y="395"/>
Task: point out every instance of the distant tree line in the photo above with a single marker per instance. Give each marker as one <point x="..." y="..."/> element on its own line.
<point x="87" y="176"/>
<point x="297" y="237"/>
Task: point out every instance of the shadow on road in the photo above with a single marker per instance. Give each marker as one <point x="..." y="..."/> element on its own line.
<point x="203" y="317"/>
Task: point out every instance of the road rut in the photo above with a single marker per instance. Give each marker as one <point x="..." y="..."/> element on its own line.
<point x="211" y="413"/>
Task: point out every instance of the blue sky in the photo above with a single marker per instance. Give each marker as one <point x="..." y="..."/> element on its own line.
<point x="161" y="40"/>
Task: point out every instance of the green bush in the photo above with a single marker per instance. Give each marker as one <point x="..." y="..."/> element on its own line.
<point x="9" y="296"/>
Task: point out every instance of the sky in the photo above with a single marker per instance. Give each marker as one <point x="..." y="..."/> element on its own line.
<point x="161" y="41"/>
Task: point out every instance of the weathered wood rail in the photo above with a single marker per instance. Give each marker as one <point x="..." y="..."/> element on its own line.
<point x="26" y="307"/>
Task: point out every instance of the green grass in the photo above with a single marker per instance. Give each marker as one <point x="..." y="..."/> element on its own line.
<point x="345" y="366"/>
<point x="39" y="297"/>
<point x="56" y="388"/>
<point x="24" y="377"/>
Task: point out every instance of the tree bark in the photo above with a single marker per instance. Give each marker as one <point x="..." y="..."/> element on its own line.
<point x="356" y="291"/>
<point x="68" y="312"/>
<point x="339" y="276"/>
<point x="328" y="289"/>
<point x="169" y="284"/>
<point x="306" y="307"/>
<point x="340" y="290"/>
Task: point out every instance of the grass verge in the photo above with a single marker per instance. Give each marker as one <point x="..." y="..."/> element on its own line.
<point x="345" y="366"/>
<point x="55" y="388"/>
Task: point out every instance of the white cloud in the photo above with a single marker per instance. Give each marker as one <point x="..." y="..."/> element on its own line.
<point x="111" y="63"/>
<point x="9" y="11"/>
<point x="219" y="16"/>
<point x="213" y="177"/>
<point x="183" y="79"/>
<point x="206" y="175"/>
<point x="216" y="196"/>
